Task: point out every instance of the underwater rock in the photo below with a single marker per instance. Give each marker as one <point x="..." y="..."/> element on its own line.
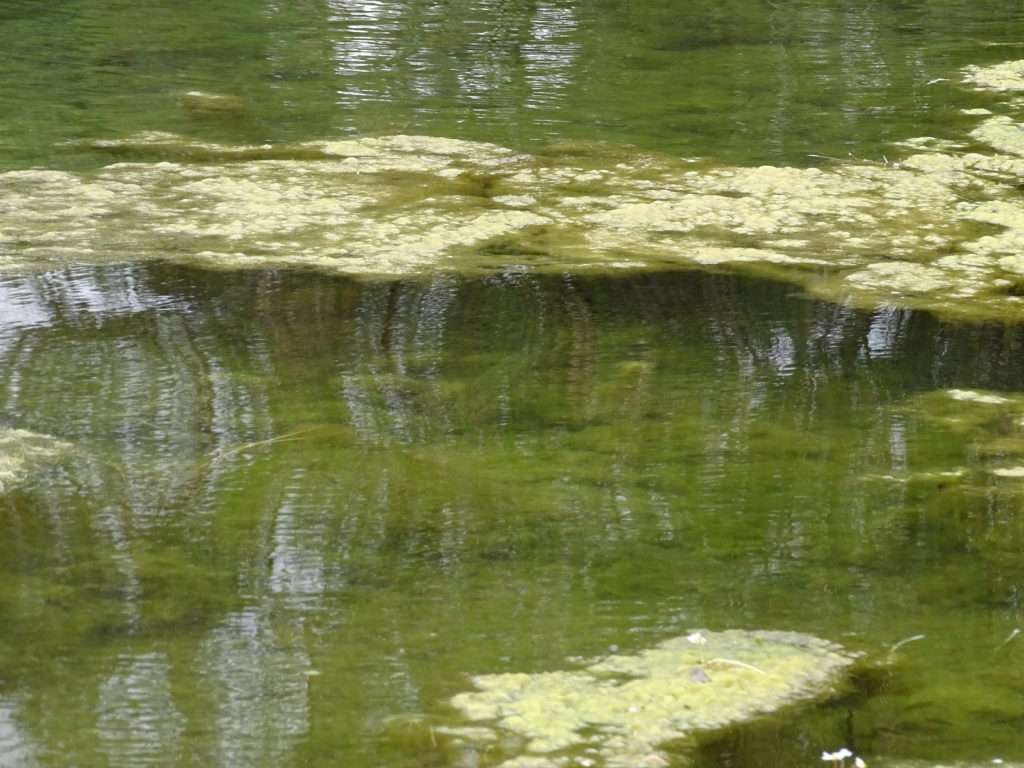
<point x="622" y="707"/>
<point x="23" y="452"/>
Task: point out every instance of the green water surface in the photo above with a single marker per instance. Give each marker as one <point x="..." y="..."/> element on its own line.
<point x="740" y="81"/>
<point x="300" y="511"/>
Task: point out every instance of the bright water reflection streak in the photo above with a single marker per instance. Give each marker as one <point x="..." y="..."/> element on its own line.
<point x="299" y="506"/>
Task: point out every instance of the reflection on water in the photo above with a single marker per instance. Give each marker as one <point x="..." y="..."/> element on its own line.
<point x="261" y="703"/>
<point x="137" y="722"/>
<point x="739" y="81"/>
<point x="299" y="506"/>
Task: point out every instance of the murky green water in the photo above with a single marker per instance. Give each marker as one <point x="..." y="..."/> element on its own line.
<point x="741" y="81"/>
<point x="292" y="513"/>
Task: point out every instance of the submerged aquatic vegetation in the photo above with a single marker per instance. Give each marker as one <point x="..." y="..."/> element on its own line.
<point x="622" y="707"/>
<point x="985" y="434"/>
<point x="23" y="452"/>
<point x="940" y="229"/>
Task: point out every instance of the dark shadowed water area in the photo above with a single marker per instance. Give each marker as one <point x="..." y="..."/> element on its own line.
<point x="291" y="514"/>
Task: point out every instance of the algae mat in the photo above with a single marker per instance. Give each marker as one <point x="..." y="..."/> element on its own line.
<point x="943" y="228"/>
<point x="616" y="711"/>
<point x="22" y="453"/>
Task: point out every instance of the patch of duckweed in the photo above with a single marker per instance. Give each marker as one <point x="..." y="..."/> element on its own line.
<point x="617" y="710"/>
<point x="941" y="229"/>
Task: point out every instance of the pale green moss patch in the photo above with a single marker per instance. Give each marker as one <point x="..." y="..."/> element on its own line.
<point x="1006" y="76"/>
<point x="23" y="452"/>
<point x="622" y="707"/>
<point x="1017" y="472"/>
<point x="972" y="396"/>
<point x="901" y="277"/>
<point x="1002" y="133"/>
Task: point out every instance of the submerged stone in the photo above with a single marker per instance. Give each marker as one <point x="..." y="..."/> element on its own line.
<point x="622" y="707"/>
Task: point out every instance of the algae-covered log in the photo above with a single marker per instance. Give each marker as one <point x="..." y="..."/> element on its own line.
<point x="621" y="707"/>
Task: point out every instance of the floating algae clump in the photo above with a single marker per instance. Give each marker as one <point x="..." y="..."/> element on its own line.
<point x="941" y="229"/>
<point x="620" y="708"/>
<point x="1005" y="76"/>
<point x="23" y="452"/>
<point x="973" y="396"/>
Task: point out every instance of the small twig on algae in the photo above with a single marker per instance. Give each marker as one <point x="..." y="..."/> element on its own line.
<point x="735" y="663"/>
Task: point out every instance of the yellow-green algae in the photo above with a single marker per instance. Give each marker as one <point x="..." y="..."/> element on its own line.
<point x="942" y="228"/>
<point x="23" y="452"/>
<point x="1006" y="76"/>
<point x="618" y="710"/>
